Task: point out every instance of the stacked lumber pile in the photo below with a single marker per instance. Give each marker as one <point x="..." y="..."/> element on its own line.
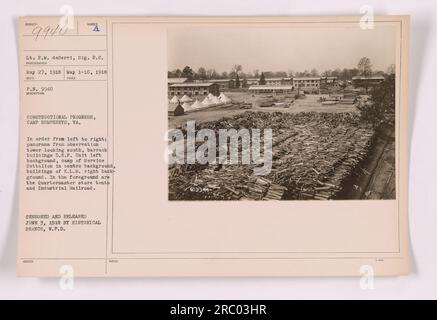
<point x="313" y="155"/>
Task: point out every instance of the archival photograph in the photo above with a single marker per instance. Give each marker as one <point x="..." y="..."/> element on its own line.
<point x="281" y="113"/>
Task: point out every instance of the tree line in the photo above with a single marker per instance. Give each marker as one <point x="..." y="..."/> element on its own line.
<point x="363" y="68"/>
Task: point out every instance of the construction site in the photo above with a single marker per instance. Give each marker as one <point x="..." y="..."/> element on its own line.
<point x="321" y="149"/>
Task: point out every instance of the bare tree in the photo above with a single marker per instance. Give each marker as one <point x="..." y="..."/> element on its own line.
<point x="201" y="73"/>
<point x="314" y="73"/>
<point x="365" y="67"/>
<point x="236" y="69"/>
<point x="211" y="74"/>
<point x="391" y="69"/>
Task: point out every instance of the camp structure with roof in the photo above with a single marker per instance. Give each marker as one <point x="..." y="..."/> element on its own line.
<point x="185" y="98"/>
<point x="214" y="100"/>
<point x="206" y="101"/>
<point x="271" y="89"/>
<point x="175" y="99"/>
<point x="224" y="84"/>
<point x="186" y="106"/>
<point x="171" y="81"/>
<point x="307" y="83"/>
<point x="197" y="105"/>
<point x="363" y="82"/>
<point x="175" y="109"/>
<point x="194" y="89"/>
<point x="223" y="98"/>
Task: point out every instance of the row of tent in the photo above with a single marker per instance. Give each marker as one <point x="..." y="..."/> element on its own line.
<point x="210" y="100"/>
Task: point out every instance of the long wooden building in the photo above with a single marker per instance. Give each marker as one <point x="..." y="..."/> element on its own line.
<point x="194" y="89"/>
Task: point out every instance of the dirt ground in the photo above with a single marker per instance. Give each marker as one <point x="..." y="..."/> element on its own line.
<point x="307" y="104"/>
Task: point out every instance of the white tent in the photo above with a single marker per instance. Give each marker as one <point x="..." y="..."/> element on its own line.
<point x="197" y="105"/>
<point x="185" y="98"/>
<point x="175" y="99"/>
<point x="210" y="96"/>
<point x="206" y="102"/>
<point x="223" y="98"/>
<point x="186" y="106"/>
<point x="214" y="100"/>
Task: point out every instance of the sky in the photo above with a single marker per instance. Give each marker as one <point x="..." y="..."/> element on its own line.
<point x="280" y="48"/>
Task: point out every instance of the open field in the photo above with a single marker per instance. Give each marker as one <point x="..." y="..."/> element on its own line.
<point x="307" y="104"/>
